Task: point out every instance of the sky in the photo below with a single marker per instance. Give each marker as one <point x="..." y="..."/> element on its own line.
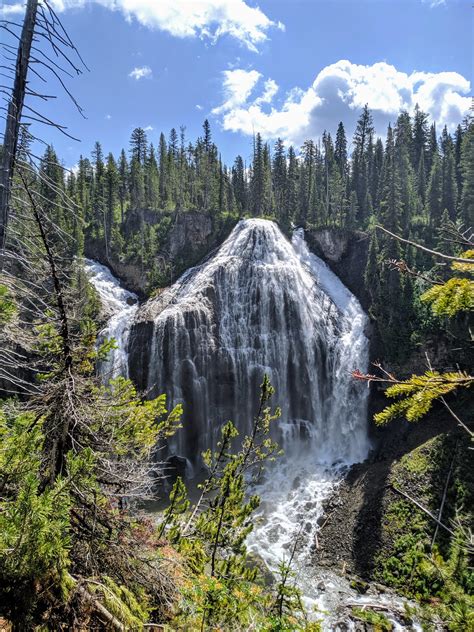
<point x="284" y="68"/>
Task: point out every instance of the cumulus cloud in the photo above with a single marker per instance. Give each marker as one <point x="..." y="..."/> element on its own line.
<point x="8" y="10"/>
<point x="141" y="72"/>
<point x="269" y="91"/>
<point x="338" y="93"/>
<point x="148" y="128"/>
<point x="207" y="19"/>
<point x="238" y="86"/>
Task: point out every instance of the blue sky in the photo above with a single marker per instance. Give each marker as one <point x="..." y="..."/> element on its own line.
<point x="283" y="67"/>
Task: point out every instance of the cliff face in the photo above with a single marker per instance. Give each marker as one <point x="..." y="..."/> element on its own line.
<point x="345" y="252"/>
<point x="187" y="237"/>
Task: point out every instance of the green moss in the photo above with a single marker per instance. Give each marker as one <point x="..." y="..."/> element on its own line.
<point x="415" y="462"/>
<point x="379" y="622"/>
<point x="437" y="576"/>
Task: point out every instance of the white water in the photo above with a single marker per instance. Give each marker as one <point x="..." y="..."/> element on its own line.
<point x="263" y="304"/>
<point x="257" y="306"/>
<point x="123" y="305"/>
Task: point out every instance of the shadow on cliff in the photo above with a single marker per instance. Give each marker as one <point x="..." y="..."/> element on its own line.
<point x="351" y="536"/>
<point x="371" y="479"/>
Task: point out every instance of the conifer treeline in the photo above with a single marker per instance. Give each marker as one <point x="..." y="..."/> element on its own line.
<point x="413" y="175"/>
<point x="411" y="183"/>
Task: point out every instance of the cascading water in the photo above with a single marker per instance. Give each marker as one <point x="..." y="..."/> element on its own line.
<point x="259" y="305"/>
<point x="123" y="306"/>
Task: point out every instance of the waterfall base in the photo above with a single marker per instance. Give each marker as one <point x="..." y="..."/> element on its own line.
<point x="292" y="516"/>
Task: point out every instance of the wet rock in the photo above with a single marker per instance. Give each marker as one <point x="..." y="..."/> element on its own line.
<point x="359" y="585"/>
<point x="176" y="466"/>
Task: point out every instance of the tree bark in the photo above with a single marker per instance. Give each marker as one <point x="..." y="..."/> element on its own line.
<point x="13" y="119"/>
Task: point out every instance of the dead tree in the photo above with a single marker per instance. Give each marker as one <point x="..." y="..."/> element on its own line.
<point x="40" y="26"/>
<point x="14" y="113"/>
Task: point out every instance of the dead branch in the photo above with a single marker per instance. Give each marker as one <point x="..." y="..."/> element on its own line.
<point x="423" y="509"/>
<point x="435" y="253"/>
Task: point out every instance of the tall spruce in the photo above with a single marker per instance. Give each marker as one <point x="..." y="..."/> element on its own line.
<point x="362" y="137"/>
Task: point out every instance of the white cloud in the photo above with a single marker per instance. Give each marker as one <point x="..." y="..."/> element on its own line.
<point x="199" y="107"/>
<point x="210" y="19"/>
<point x="434" y="3"/>
<point x="108" y="117"/>
<point x="8" y="10"/>
<point x="149" y="128"/>
<point x="141" y="72"/>
<point x="338" y="93"/>
<point x="238" y="85"/>
<point x="269" y="91"/>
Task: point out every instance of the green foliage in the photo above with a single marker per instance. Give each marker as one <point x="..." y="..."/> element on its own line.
<point x="434" y="572"/>
<point x="379" y="621"/>
<point x="173" y="514"/>
<point x="224" y="587"/>
<point x="419" y="392"/>
<point x="121" y="602"/>
<point x="287" y="612"/>
<point x="44" y="527"/>
<point x="213" y="536"/>
<point x="7" y="305"/>
<point x="456" y="295"/>
<point x="35" y="523"/>
<point x="134" y="423"/>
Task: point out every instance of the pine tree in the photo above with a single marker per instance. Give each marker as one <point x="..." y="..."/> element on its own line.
<point x="267" y="181"/>
<point x="98" y="193"/>
<point x="432" y="151"/>
<point x="434" y="209"/>
<point x="457" y="159"/>
<point x="421" y="179"/>
<point x="467" y="168"/>
<point x="163" y="168"/>
<point x="420" y="137"/>
<point x="123" y="185"/>
<point x="111" y="185"/>
<point x="307" y="181"/>
<point x="340" y="150"/>
<point x="257" y="182"/>
<point x="291" y="201"/>
<point x="182" y="169"/>
<point x="279" y="179"/>
<point x="139" y="145"/>
<point x="151" y="180"/>
<point x="239" y="185"/>
<point x="391" y="208"/>
<point x="138" y="156"/>
<point x="403" y="153"/>
<point x="362" y="136"/>
<point x="376" y="173"/>
<point x="173" y="167"/>
<point x="51" y="188"/>
<point x="449" y="184"/>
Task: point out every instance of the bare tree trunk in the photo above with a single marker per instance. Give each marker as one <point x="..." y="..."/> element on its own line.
<point x="13" y="119"/>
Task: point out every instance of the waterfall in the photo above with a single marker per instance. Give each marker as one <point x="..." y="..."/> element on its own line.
<point x="122" y="306"/>
<point x="260" y="304"/>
